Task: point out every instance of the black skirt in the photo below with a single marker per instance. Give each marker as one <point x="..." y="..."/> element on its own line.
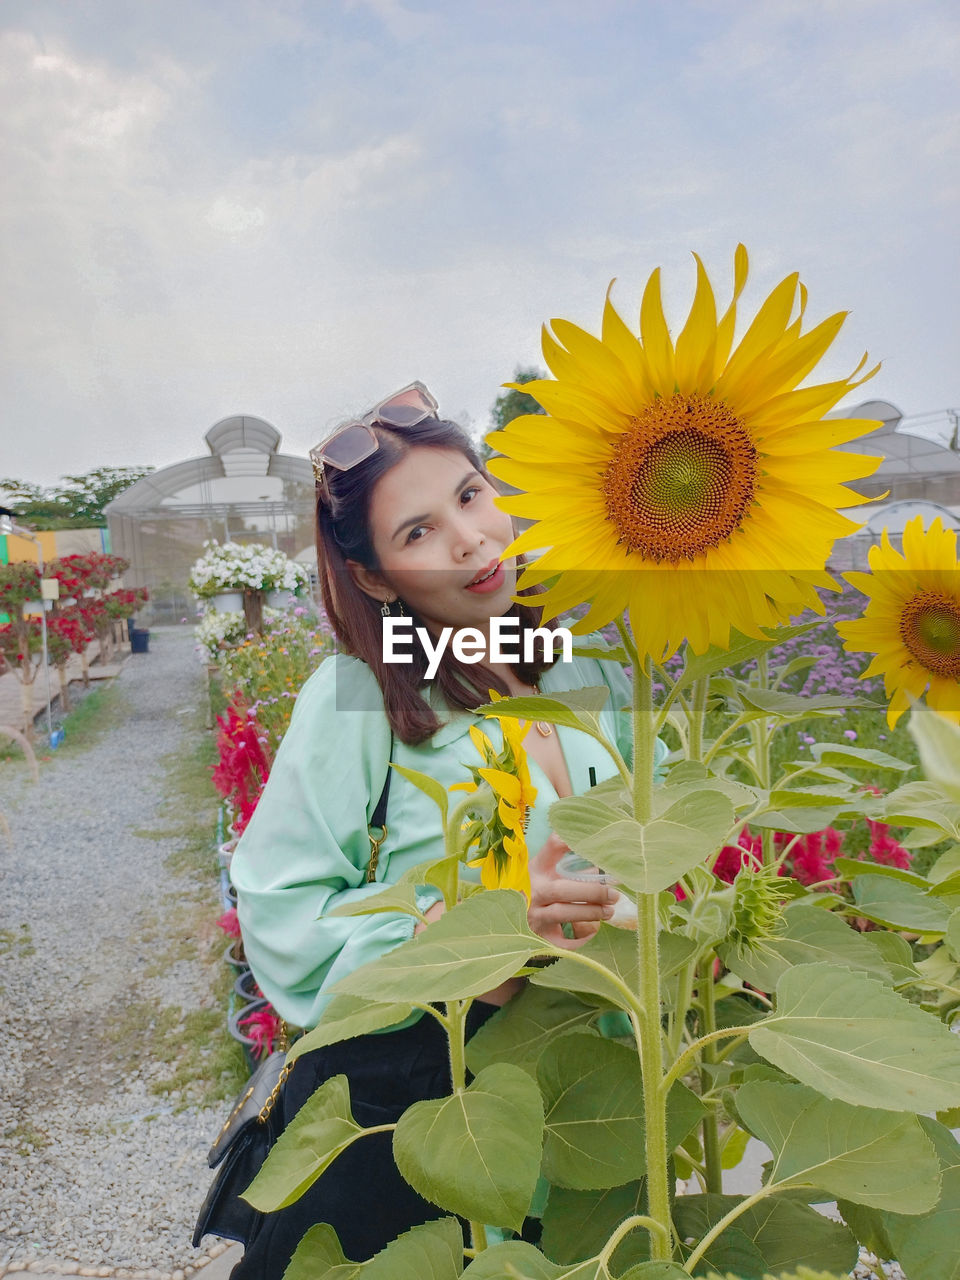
<point x="362" y="1195"/>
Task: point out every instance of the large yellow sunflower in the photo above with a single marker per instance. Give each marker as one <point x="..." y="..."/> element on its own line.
<point x="695" y="487"/>
<point x="912" y="623"/>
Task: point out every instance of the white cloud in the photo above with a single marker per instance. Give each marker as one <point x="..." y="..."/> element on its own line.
<point x="288" y="210"/>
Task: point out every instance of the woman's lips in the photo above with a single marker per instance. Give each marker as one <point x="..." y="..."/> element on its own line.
<point x="493" y="583"/>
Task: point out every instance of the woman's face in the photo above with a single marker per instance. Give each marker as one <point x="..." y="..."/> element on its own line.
<point x="438" y="539"/>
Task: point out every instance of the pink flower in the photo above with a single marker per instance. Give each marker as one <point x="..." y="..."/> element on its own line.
<point x="263" y="1027"/>
<point x="229" y="923"/>
<point x="851" y="734"/>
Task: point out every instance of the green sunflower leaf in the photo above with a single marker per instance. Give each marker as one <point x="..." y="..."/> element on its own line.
<point x="321" y="1129"/>
<point x="938" y="742"/>
<point x="522" y="1029"/>
<point x="898" y="904"/>
<point x="476" y="1153"/>
<point x="576" y="709"/>
<point x="853" y="1038"/>
<point x="429" y="786"/>
<point x="645" y="857"/>
<point x="782" y="1233"/>
<point x="471" y="949"/>
<point x="593" y="1101"/>
<point x="431" y="1251"/>
<point x="873" y="1157"/>
<point x="348" y="1016"/>
<point x="851" y="757"/>
<point x="810" y="935"/>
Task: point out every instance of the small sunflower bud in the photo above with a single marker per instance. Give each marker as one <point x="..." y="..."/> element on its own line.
<point x="758" y="898"/>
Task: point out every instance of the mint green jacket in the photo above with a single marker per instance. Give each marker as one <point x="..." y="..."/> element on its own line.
<point x="306" y="849"/>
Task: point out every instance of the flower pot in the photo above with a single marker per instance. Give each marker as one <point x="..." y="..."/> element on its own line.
<point x="225" y="853"/>
<point x="246" y="987"/>
<point x="234" y="955"/>
<point x="228" y="602"/>
<point x="279" y="600"/>
<point x="249" y="1042"/>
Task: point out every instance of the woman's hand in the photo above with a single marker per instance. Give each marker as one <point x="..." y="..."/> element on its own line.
<point x="555" y="901"/>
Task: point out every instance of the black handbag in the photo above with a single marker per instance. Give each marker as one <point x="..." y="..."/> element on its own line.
<point x="256" y="1120"/>
<point x="240" y="1148"/>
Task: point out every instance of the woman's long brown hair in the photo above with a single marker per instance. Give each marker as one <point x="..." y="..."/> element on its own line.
<point x="343" y="533"/>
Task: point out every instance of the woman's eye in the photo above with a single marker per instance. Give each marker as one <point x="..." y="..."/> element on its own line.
<point x="416" y="533"/>
<point x="469" y="494"/>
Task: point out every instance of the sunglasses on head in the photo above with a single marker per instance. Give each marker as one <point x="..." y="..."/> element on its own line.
<point x="355" y="440"/>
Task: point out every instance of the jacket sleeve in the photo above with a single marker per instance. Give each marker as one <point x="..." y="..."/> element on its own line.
<point x="306" y="848"/>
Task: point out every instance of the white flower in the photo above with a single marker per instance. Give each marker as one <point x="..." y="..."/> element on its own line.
<point x="233" y="566"/>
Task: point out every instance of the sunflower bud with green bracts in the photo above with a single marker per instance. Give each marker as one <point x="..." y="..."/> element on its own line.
<point x="494" y="833"/>
<point x="758" y="897"/>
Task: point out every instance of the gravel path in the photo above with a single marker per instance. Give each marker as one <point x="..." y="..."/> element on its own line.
<point x="98" y="1169"/>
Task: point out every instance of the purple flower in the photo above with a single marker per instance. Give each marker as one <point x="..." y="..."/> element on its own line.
<point x="851" y="734"/>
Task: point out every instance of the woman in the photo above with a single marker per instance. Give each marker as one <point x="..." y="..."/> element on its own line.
<point x="406" y="523"/>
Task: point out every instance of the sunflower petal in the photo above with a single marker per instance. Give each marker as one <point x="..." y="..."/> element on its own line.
<point x="697" y="341"/>
<point x="657" y="345"/>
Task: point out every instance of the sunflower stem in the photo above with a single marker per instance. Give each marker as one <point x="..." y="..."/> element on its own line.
<point x="713" y="1170"/>
<point x="456" y="1029"/>
<point x="697" y="716"/>
<point x="763" y="738"/>
<point x="651" y="1043"/>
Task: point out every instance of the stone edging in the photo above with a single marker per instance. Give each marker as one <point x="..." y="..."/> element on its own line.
<point x="50" y="1266"/>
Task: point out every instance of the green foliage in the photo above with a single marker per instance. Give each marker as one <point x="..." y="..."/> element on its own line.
<point x="476" y="1153"/>
<point x="622" y="1060"/>
<point x="852" y="1038"/>
<point x="647" y="858"/>
<point x="321" y="1129"/>
<point x="879" y="1158"/>
<point x="468" y="951"/>
<point x="77" y="502"/>
<point x="593" y="1098"/>
<point x="347" y="1016"/>
<point x="513" y="403"/>
<point x="776" y="1234"/>
<point x="536" y="1016"/>
<point x="433" y="1251"/>
<point x="925" y="1244"/>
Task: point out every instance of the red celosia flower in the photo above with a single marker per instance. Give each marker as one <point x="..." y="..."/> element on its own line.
<point x="886" y="850"/>
<point x="263" y="1027"/>
<point x="745" y="853"/>
<point x="229" y="923"/>
<point x="243" y="766"/>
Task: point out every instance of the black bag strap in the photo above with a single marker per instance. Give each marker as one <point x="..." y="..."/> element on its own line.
<point x="379" y="819"/>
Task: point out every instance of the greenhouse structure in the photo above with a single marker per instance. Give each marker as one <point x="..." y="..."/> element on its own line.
<point x="244" y="491"/>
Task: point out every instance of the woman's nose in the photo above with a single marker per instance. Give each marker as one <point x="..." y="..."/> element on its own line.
<point x="467" y="538"/>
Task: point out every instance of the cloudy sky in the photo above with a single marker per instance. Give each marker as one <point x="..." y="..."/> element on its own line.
<point x="291" y="207"/>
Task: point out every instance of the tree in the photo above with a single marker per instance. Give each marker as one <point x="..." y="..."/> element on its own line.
<point x="512" y="404"/>
<point x="77" y="502"/>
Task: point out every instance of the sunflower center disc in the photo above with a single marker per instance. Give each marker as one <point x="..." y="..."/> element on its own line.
<point x="681" y="478"/>
<point x="930" y="629"/>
